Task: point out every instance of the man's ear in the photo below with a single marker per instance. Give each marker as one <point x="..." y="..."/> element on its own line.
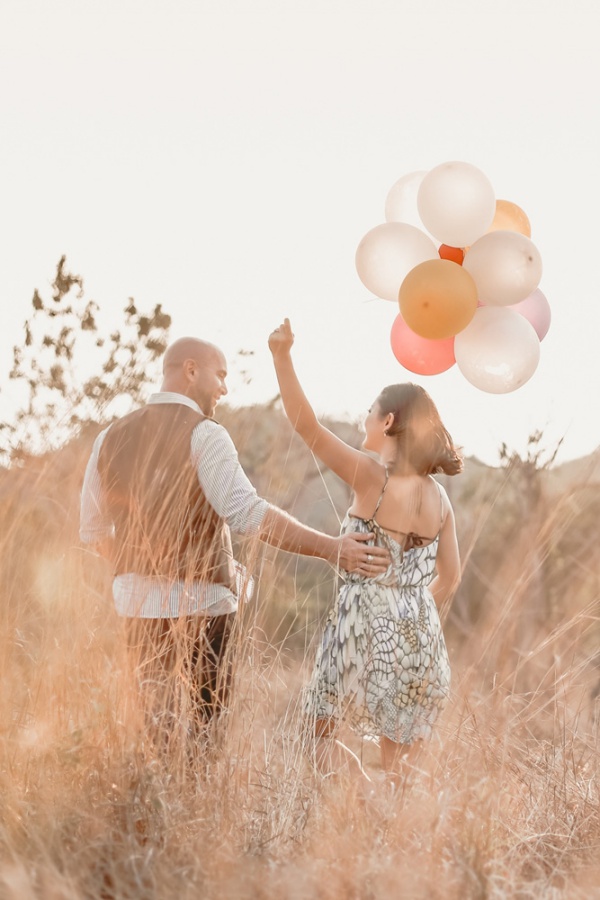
<point x="189" y="369"/>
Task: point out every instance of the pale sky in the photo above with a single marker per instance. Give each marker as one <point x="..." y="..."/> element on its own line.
<point x="226" y="158"/>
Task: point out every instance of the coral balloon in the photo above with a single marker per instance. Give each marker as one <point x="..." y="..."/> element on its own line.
<point x="454" y="254"/>
<point x="498" y="351"/>
<point x="510" y="217"/>
<point x="387" y="253"/>
<point x="456" y="203"/>
<point x="536" y="310"/>
<point x="437" y="299"/>
<point x="506" y="267"/>
<point x="418" y="354"/>
<point x="401" y="201"/>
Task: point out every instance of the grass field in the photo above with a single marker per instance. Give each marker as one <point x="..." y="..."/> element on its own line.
<point x="504" y="801"/>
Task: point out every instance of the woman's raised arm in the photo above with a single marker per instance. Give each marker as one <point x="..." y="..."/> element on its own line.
<point x="350" y="464"/>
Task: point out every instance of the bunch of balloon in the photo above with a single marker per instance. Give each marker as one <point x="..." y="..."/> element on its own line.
<point x="463" y="268"/>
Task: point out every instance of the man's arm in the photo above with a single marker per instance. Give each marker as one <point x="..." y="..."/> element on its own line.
<point x="95" y="526"/>
<point x="232" y="496"/>
<point x="350" y="552"/>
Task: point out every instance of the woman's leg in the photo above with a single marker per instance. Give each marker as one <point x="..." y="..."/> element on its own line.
<point x="396" y="758"/>
<point x="331" y="756"/>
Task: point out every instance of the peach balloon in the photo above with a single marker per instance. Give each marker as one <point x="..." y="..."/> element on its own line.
<point x="510" y="217"/>
<point x="498" y="351"/>
<point x="387" y="253"/>
<point x="418" y="354"/>
<point x="536" y="310"/>
<point x="437" y="299"/>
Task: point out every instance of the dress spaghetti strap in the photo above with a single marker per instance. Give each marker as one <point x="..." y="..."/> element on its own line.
<point x="411" y="538"/>
<point x="387" y="475"/>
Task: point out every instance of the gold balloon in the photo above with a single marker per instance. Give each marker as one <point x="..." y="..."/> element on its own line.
<point x="437" y="299"/>
<point x="510" y="217"/>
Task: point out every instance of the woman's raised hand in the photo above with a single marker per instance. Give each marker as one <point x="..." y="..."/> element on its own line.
<point x="281" y="340"/>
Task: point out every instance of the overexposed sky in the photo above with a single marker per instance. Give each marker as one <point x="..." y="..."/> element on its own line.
<point x="225" y="159"/>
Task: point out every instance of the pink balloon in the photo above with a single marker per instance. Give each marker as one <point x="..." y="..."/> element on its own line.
<point x="418" y="354"/>
<point x="536" y="310"/>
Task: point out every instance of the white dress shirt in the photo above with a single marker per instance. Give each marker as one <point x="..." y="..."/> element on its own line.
<point x="228" y="491"/>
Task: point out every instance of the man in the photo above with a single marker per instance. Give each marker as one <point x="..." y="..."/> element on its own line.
<point x="162" y="489"/>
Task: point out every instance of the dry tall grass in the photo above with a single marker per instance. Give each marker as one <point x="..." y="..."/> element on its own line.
<point x="504" y="802"/>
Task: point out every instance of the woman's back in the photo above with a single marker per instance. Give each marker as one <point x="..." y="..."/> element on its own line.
<point x="409" y="508"/>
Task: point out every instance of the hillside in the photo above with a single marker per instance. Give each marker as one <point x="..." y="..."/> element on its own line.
<point x="575" y="473"/>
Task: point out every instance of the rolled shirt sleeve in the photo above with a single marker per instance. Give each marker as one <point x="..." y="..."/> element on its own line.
<point x="223" y="480"/>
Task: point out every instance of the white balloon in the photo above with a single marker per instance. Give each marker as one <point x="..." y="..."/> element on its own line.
<point x="498" y="351"/>
<point x="506" y="267"/>
<point x="401" y="201"/>
<point x="387" y="253"/>
<point x="456" y="203"/>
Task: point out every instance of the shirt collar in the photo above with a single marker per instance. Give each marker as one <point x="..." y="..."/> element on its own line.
<point x="173" y="397"/>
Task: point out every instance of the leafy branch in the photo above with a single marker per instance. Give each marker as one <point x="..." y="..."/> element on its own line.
<point x="68" y="373"/>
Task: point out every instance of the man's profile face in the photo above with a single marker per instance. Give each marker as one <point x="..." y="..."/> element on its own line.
<point x="207" y="384"/>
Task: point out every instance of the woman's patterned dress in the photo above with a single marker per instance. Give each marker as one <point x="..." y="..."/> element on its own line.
<point x="383" y="663"/>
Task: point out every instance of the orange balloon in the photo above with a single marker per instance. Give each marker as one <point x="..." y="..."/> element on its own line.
<point x="510" y="217"/>
<point x="437" y="299"/>
<point x="455" y="254"/>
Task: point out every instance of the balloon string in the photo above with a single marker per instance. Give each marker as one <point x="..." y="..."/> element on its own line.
<point x="330" y="498"/>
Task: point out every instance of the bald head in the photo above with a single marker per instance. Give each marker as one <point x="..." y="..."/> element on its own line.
<point x="196" y="369"/>
<point x="187" y="348"/>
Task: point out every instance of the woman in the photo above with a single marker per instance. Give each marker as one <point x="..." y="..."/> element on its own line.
<point x="382" y="663"/>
